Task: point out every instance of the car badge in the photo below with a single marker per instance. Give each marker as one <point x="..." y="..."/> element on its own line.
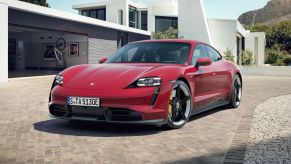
<point x="92" y="84"/>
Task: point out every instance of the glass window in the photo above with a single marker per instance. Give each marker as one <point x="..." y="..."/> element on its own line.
<point x="213" y="54"/>
<point x="164" y="23"/>
<point x="96" y="13"/>
<point x="199" y="52"/>
<point x="133" y="17"/>
<point x="120" y="17"/>
<point x="92" y="13"/>
<point x="152" y="52"/>
<point x="144" y="20"/>
<point x="101" y="14"/>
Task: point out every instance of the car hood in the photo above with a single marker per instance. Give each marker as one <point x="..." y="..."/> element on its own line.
<point x="105" y="76"/>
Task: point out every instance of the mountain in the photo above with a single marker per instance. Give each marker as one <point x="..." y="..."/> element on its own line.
<point x="273" y="12"/>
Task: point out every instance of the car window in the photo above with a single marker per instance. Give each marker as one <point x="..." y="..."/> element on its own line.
<point x="152" y="52"/>
<point x="199" y="52"/>
<point x="213" y="54"/>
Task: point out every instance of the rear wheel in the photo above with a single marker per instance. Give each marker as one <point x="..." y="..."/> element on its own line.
<point x="236" y="93"/>
<point x="179" y="106"/>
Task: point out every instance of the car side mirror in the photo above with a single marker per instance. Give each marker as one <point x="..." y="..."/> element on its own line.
<point x="102" y="60"/>
<point x="203" y="62"/>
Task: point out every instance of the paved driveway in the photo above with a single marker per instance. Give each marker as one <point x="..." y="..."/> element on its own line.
<point x="28" y="135"/>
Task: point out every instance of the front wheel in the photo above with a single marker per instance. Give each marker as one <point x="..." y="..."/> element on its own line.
<point x="179" y="105"/>
<point x="236" y="93"/>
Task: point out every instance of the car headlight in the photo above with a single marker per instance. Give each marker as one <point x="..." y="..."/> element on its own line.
<point x="149" y="82"/>
<point x="59" y="79"/>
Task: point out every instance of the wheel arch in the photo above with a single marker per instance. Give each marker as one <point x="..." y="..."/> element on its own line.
<point x="185" y="81"/>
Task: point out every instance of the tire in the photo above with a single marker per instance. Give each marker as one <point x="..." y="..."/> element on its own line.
<point x="180" y="105"/>
<point x="236" y="92"/>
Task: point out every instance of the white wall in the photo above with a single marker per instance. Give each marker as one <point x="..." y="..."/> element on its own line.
<point x="3" y="42"/>
<point x="192" y="22"/>
<point x="161" y="8"/>
<point x="113" y="8"/>
<point x="223" y="34"/>
<point x="258" y="51"/>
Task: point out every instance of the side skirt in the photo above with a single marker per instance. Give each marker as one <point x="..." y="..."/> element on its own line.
<point x="209" y="107"/>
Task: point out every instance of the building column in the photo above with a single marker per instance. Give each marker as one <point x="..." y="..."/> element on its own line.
<point x="192" y="22"/>
<point x="3" y="42"/>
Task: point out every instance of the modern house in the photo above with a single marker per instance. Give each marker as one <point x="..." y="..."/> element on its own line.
<point x="185" y="15"/>
<point x="29" y="33"/>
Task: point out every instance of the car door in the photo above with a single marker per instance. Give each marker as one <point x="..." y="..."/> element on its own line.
<point x="221" y="74"/>
<point x="202" y="78"/>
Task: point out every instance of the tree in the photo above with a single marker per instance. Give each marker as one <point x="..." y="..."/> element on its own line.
<point x="171" y="33"/>
<point x="37" y="2"/>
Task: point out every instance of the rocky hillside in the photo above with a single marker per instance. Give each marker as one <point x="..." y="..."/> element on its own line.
<point x="273" y="12"/>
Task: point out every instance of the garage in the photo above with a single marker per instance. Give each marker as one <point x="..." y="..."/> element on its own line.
<point x="35" y="51"/>
<point x="39" y="41"/>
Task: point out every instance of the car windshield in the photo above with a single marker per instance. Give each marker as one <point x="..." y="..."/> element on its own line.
<point x="152" y="52"/>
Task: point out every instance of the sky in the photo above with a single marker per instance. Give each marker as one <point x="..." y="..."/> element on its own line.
<point x="225" y="9"/>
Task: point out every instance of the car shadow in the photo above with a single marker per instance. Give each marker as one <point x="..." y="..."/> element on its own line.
<point x="94" y="129"/>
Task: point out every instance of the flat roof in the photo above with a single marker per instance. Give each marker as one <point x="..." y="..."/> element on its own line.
<point x="36" y="9"/>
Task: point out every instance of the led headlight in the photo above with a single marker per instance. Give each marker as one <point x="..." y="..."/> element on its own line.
<point x="149" y="82"/>
<point x="59" y="79"/>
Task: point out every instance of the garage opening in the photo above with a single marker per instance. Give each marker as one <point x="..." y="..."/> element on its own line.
<point x="36" y="52"/>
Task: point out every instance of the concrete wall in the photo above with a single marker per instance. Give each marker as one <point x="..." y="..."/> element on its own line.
<point x="161" y="8"/>
<point x="3" y="42"/>
<point x="256" y="43"/>
<point x="192" y="21"/>
<point x="113" y="8"/>
<point x="223" y="34"/>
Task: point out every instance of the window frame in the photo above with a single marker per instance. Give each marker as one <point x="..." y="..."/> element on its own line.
<point x="166" y="18"/>
<point x="220" y="56"/>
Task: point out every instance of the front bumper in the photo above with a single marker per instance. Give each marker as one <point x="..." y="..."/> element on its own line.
<point x="117" y="106"/>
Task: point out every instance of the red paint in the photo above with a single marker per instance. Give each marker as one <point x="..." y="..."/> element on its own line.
<point x="208" y="83"/>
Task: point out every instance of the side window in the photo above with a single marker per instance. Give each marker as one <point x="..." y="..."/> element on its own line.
<point x="199" y="52"/>
<point x="213" y="54"/>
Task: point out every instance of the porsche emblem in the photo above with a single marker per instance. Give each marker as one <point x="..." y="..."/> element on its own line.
<point x="92" y="84"/>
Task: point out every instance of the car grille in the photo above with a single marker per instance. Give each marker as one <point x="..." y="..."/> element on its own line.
<point x="120" y="114"/>
<point x="106" y="114"/>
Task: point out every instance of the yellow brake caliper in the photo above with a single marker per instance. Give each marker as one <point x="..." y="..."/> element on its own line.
<point x="170" y="106"/>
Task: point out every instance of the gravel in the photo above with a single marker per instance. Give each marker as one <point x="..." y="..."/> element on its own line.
<point x="270" y="136"/>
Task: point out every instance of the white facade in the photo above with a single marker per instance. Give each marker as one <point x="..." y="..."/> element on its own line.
<point x="3" y="42"/>
<point x="192" y="24"/>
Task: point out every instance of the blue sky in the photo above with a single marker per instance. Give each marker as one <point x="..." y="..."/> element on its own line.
<point x="227" y="9"/>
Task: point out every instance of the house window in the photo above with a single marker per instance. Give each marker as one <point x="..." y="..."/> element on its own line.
<point x="95" y="13"/>
<point x="144" y="20"/>
<point x="120" y="17"/>
<point x="164" y="23"/>
<point x="133" y="17"/>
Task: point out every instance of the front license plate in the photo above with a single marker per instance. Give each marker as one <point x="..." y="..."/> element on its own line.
<point x="83" y="101"/>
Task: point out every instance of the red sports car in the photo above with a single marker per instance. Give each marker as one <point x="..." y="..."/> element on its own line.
<point x="160" y="82"/>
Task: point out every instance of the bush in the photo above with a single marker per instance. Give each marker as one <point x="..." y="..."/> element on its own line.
<point x="228" y="55"/>
<point x="287" y="60"/>
<point x="171" y="33"/>
<point x="247" y="58"/>
<point x="276" y="57"/>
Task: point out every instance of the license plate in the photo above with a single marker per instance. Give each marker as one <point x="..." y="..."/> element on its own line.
<point x="83" y="101"/>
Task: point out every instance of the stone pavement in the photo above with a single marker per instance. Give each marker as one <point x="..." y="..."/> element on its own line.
<point x="28" y="135"/>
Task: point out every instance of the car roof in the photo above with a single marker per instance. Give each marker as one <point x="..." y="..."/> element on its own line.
<point x="193" y="42"/>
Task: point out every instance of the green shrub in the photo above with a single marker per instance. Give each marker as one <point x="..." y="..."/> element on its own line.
<point x="228" y="55"/>
<point x="287" y="60"/>
<point x="247" y="58"/>
<point x="276" y="57"/>
<point x="171" y="33"/>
